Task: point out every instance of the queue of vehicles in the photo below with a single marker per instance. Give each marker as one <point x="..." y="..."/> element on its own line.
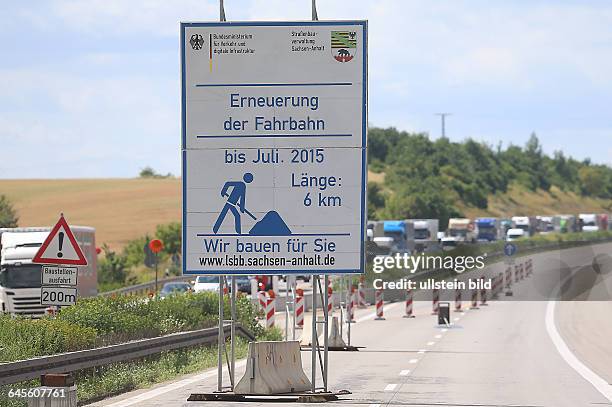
<point x="422" y="235"/>
<point x="20" y="279"/>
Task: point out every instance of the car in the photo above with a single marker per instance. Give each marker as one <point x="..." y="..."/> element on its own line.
<point x="449" y="243"/>
<point x="243" y="284"/>
<point x="515" y="234"/>
<point x="206" y="283"/>
<point x="174" y="288"/>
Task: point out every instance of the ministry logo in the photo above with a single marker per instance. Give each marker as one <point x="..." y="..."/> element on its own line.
<point x="196" y="41"/>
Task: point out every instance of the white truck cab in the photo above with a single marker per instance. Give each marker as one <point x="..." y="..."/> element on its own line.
<point x="515" y="234"/>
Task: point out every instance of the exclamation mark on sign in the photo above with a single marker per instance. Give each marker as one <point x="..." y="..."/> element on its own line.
<point x="61" y="243"/>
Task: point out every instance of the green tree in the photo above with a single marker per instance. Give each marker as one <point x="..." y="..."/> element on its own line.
<point x="8" y="215"/>
<point x="112" y="268"/>
<point x="593" y="181"/>
<point x="170" y="235"/>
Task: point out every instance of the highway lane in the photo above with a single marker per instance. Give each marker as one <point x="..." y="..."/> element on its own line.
<point x="499" y="355"/>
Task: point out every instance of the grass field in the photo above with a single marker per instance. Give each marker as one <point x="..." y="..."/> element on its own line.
<point x="119" y="209"/>
<point x="521" y="202"/>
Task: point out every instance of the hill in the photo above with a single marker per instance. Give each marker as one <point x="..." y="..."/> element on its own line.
<point x="119" y="209"/>
<point x="415" y="177"/>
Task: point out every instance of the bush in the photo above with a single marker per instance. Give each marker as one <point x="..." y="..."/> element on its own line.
<point x="123" y="318"/>
<point x="27" y="338"/>
<point x="8" y="215"/>
<point x="112" y="268"/>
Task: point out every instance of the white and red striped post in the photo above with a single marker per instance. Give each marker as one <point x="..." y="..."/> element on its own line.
<point x="499" y="283"/>
<point x="528" y="268"/>
<point x="330" y="300"/>
<point x="361" y="296"/>
<point x="261" y="296"/>
<point x="483" y="293"/>
<point x="435" y="301"/>
<point x="270" y="312"/>
<point x="350" y="307"/>
<point x="508" y="277"/>
<point x="379" y="305"/>
<point x="474" y="299"/>
<point x="516" y="274"/>
<point x="409" y="304"/>
<point x="457" y="299"/>
<point x="299" y="311"/>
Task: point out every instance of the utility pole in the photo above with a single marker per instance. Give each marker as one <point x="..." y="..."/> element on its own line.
<point x="443" y="120"/>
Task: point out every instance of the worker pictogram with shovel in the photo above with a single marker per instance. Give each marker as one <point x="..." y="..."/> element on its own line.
<point x="235" y="202"/>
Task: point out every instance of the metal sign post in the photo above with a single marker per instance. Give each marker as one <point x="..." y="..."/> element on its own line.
<point x="221" y="338"/>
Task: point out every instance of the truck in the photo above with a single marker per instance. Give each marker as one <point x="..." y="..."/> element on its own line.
<point x="527" y="223"/>
<point x="565" y="223"/>
<point x="394" y="236"/>
<point x="425" y="234"/>
<point x="462" y="230"/>
<point x="20" y="279"/>
<point x="591" y="222"/>
<point x="506" y="225"/>
<point x="545" y="224"/>
<point x="489" y="229"/>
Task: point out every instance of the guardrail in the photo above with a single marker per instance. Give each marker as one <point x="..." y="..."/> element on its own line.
<point x="15" y="372"/>
<point x="144" y="288"/>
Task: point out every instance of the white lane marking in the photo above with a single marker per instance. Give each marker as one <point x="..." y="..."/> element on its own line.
<point x="391" y="387"/>
<point x="421" y="351"/>
<point x="430" y="343"/>
<point x="600" y="384"/>
<point x="373" y="314"/>
<point x="404" y="372"/>
<point x="413" y="360"/>
<point x="374" y="405"/>
<point x="169" y="387"/>
<point x="444" y="329"/>
<point x="438" y="336"/>
<point x="457" y="319"/>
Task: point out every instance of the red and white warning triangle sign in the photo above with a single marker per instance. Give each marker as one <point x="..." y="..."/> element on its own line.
<point x="60" y="247"/>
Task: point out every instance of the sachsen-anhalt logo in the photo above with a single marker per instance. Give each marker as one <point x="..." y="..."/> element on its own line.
<point x="343" y="45"/>
<point x="196" y="41"/>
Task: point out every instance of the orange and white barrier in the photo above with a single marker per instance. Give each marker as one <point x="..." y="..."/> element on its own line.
<point x="350" y="307"/>
<point x="508" y="277"/>
<point x="474" y="299"/>
<point x="409" y="304"/>
<point x="457" y="300"/>
<point x="299" y="311"/>
<point x="435" y="301"/>
<point x="261" y="296"/>
<point x="379" y="305"/>
<point x="483" y="294"/>
<point x="330" y="300"/>
<point x="516" y="273"/>
<point x="270" y="312"/>
<point x="361" y="296"/>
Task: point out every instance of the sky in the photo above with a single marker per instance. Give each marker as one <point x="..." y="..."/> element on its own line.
<point x="90" y="88"/>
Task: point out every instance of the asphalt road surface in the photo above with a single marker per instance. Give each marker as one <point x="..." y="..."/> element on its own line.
<point x="509" y="353"/>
